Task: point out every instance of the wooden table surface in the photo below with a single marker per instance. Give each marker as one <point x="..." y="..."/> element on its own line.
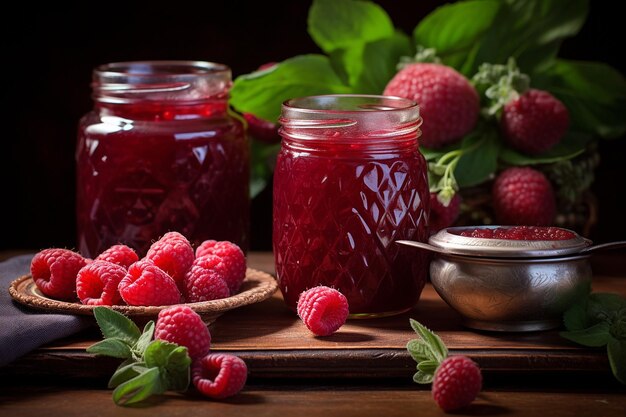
<point x="366" y="373"/>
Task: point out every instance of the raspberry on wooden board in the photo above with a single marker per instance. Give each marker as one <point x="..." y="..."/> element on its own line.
<point x="219" y="375"/>
<point x="323" y="310"/>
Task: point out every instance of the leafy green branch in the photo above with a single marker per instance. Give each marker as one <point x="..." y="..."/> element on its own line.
<point x="361" y="49"/>
<point x="600" y="320"/>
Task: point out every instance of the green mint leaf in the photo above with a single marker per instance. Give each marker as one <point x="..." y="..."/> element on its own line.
<point x="116" y="325"/>
<point x="173" y="362"/>
<point x="594" y="94"/>
<point x="145" y="384"/>
<point x="604" y="306"/>
<point x="618" y="326"/>
<point x="479" y="158"/>
<point x="594" y="336"/>
<point x="434" y="342"/>
<point x="423" y="378"/>
<point x="428" y="367"/>
<point x="419" y="350"/>
<point x="340" y="24"/>
<point x="575" y="318"/>
<point x="126" y="371"/>
<point x="455" y="30"/>
<point x="531" y="31"/>
<point x="158" y="352"/>
<point x="616" y="350"/>
<point x="144" y="340"/>
<point x="112" y="346"/>
<point x="299" y="76"/>
<point x="178" y="369"/>
<point x="572" y="145"/>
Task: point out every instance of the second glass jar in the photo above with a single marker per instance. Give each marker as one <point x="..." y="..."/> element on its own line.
<point x="348" y="183"/>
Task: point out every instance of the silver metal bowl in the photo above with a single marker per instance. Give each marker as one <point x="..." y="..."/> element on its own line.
<point x="507" y="285"/>
<point x="511" y="294"/>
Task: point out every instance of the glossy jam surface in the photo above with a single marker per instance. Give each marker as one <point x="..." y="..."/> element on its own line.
<point x="337" y="213"/>
<point x="146" y="169"/>
<point x="520" y="233"/>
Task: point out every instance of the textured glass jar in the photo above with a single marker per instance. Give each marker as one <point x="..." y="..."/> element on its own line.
<point x="160" y="152"/>
<point x="349" y="181"/>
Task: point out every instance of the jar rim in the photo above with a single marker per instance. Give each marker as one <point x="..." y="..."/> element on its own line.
<point x="359" y="104"/>
<point x="186" y="82"/>
<point x="159" y="68"/>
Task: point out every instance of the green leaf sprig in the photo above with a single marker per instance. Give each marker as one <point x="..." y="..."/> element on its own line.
<point x="361" y="48"/>
<point x="600" y="320"/>
<point x="149" y="367"/>
<point x="428" y="351"/>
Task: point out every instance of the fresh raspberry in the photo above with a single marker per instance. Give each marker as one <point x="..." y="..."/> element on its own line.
<point x="96" y="283"/>
<point x="534" y="122"/>
<point x="234" y="268"/>
<point x="145" y="284"/>
<point x="219" y="375"/>
<point x="54" y="272"/>
<point x="205" y="280"/>
<point x="323" y="310"/>
<point x="173" y="254"/>
<point x="119" y="254"/>
<point x="443" y="216"/>
<point x="521" y="233"/>
<point x="523" y="196"/>
<point x="183" y="326"/>
<point x="449" y="104"/>
<point x="457" y="382"/>
<point x="263" y="130"/>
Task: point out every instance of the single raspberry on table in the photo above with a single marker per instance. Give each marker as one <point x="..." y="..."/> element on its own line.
<point x="234" y="260"/>
<point x="145" y="284"/>
<point x="205" y="280"/>
<point x="183" y="326"/>
<point x="442" y="216"/>
<point x="448" y="103"/>
<point x="96" y="283"/>
<point x="457" y="382"/>
<point x="322" y="309"/>
<point x="219" y="375"/>
<point x="523" y="196"/>
<point x="173" y="254"/>
<point x="119" y="254"/>
<point x="54" y="272"/>
<point x="534" y="122"/>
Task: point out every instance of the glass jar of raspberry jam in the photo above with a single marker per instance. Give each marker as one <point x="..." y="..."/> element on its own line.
<point x="160" y="152"/>
<point x="348" y="183"/>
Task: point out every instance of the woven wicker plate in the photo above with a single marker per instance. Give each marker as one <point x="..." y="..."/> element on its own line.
<point x="256" y="287"/>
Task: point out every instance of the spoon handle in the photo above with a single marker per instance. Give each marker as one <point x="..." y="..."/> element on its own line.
<point x="603" y="246"/>
<point x="422" y="245"/>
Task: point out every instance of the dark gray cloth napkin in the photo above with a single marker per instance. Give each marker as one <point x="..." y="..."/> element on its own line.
<point x="23" y="329"/>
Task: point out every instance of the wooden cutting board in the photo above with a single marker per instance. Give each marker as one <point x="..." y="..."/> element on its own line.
<point x="274" y="343"/>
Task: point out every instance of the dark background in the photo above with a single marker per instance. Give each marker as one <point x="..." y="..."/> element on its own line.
<point x="47" y="68"/>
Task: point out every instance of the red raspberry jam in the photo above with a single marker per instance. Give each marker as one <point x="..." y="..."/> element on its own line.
<point x="161" y="153"/>
<point x="349" y="181"/>
<point x="520" y="233"/>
